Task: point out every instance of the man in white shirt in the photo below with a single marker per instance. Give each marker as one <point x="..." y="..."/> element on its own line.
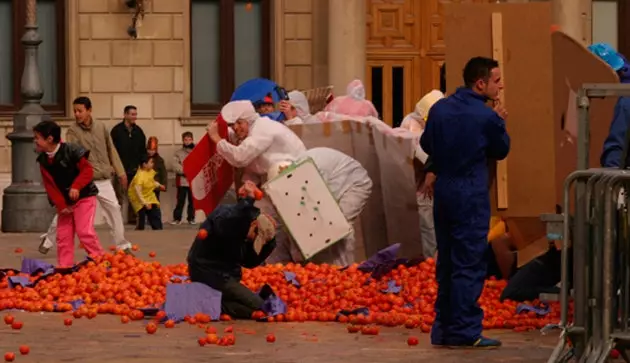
<point x="259" y="144"/>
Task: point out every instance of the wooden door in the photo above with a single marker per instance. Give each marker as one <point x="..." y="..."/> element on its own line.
<point x="404" y="37"/>
<point x="393" y="54"/>
<point x="389" y="87"/>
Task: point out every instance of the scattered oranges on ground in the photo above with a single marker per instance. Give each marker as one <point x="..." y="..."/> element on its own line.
<point x="121" y="284"/>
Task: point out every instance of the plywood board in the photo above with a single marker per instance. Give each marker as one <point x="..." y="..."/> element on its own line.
<point x="574" y="65"/>
<point x="307" y="208"/>
<point x="528" y="92"/>
<point x="498" y="53"/>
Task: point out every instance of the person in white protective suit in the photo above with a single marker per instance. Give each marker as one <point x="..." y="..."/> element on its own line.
<point x="296" y="110"/>
<point x="351" y="187"/>
<point x="257" y="144"/>
<point x="353" y="104"/>
<point x="415" y="122"/>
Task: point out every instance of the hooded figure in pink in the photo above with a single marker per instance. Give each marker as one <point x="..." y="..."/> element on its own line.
<point x="352" y="104"/>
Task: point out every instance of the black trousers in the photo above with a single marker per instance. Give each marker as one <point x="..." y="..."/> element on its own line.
<point x="157" y="195"/>
<point x="536" y="277"/>
<point x="183" y="194"/>
<point x="153" y="215"/>
<point x="237" y="300"/>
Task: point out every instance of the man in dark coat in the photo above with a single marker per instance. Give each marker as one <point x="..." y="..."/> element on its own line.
<point x="130" y="142"/>
<point x="461" y="134"/>
<point x="233" y="236"/>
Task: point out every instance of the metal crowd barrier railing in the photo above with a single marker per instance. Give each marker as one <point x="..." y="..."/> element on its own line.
<point x="601" y="268"/>
<point x="598" y="233"/>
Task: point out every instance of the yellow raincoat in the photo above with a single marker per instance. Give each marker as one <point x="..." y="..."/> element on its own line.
<point x="141" y="190"/>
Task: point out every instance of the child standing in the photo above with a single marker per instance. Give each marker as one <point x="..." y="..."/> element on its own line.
<point x="142" y="195"/>
<point x="183" y="189"/>
<point x="67" y="177"/>
<point x="161" y="176"/>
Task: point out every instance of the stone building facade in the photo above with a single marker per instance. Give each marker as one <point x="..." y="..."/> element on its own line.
<point x="305" y="44"/>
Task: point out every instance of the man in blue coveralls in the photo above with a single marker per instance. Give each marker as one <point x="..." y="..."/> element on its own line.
<point x="461" y="134"/>
<point x="616" y="140"/>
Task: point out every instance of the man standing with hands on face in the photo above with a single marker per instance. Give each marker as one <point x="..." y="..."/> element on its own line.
<point x="461" y="134"/>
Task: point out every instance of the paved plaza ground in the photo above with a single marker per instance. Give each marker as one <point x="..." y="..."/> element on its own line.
<point x="106" y="339"/>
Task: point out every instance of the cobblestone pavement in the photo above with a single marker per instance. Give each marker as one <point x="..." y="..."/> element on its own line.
<point x="105" y="339"/>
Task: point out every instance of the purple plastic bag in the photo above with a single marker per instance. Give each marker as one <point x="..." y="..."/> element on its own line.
<point x="392" y="288"/>
<point x="76" y="304"/>
<point x="23" y="281"/>
<point x="190" y="299"/>
<point x="291" y="278"/>
<point x="385" y="260"/>
<point x="273" y="305"/>
<point x="381" y="257"/>
<point x="5" y="271"/>
<point x="541" y="310"/>
<point x="32" y="266"/>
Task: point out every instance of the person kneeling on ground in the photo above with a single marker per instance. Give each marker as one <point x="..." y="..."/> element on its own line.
<point x="228" y="240"/>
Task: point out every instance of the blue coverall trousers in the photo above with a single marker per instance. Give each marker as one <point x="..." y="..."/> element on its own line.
<point x="461" y="230"/>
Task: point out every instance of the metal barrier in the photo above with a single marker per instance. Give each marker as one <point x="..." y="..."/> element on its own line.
<point x="598" y="235"/>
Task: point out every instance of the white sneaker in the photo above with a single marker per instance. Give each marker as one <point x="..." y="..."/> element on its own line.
<point x="192" y="223"/>
<point x="176" y="223"/>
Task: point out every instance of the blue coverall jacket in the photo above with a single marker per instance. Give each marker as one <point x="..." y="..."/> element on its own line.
<point x="461" y="134"/>
<point x="614" y="144"/>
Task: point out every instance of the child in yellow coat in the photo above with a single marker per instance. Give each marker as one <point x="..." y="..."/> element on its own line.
<point x="142" y="196"/>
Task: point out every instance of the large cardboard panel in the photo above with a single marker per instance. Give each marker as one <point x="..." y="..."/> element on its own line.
<point x="354" y="138"/>
<point x="527" y="74"/>
<point x="398" y="182"/>
<point x="574" y="65"/>
<point x="372" y="220"/>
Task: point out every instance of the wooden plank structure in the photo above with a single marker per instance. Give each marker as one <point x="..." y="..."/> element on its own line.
<point x="497" y="54"/>
<point x="541" y="71"/>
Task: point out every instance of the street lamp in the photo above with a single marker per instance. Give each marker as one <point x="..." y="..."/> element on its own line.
<point x="25" y="206"/>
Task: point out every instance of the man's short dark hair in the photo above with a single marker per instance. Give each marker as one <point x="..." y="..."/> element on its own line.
<point x="83" y="101"/>
<point x="478" y="68"/>
<point x="48" y="128"/>
<point x="187" y="134"/>
<point x="129" y="108"/>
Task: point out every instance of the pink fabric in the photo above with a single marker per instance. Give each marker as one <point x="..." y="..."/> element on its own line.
<point x="81" y="222"/>
<point x="353" y="103"/>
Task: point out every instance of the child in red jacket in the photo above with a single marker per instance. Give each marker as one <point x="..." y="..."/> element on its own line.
<point x="67" y="177"/>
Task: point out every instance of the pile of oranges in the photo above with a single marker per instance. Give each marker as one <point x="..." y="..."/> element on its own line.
<point x="121" y="284"/>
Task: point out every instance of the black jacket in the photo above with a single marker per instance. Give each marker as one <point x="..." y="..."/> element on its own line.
<point x="130" y="144"/>
<point x="63" y="172"/>
<point x="226" y="248"/>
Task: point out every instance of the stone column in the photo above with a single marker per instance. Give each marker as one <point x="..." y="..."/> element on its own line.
<point x="25" y="203"/>
<point x="346" y="43"/>
<point x="574" y="17"/>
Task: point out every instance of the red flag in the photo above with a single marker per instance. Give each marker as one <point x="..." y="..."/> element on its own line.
<point x="208" y="174"/>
